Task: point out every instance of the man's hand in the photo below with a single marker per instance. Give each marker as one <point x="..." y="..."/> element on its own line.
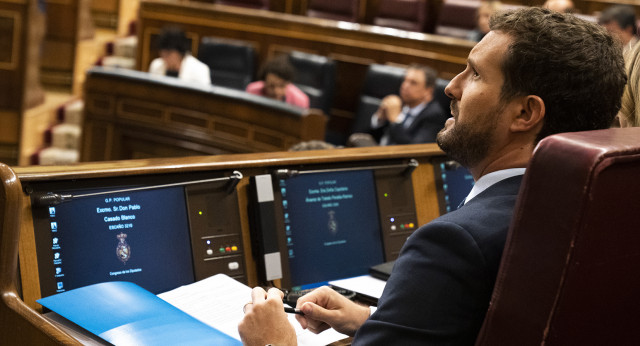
<point x="324" y="308"/>
<point x="265" y="321"/>
<point x="390" y="108"/>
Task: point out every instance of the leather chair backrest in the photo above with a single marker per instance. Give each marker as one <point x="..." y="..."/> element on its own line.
<point x="439" y="95"/>
<point x="457" y="18"/>
<point x="344" y="10"/>
<point x="379" y="81"/>
<point x="231" y="62"/>
<point x="569" y="271"/>
<point x="257" y="4"/>
<point x="316" y="76"/>
<point x="402" y="14"/>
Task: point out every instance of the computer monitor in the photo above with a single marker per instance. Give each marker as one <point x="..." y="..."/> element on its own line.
<point x="332" y="226"/>
<point x="335" y="223"/>
<point x="153" y="231"/>
<point x="453" y="184"/>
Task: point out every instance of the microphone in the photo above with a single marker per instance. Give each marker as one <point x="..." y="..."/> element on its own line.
<point x="51" y="198"/>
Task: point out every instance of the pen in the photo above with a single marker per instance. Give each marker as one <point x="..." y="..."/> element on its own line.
<point x="293" y="310"/>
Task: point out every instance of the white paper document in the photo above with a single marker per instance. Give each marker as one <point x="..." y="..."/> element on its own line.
<point x="218" y="302"/>
<point x="365" y="284"/>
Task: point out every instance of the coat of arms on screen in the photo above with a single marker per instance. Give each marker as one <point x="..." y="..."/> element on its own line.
<point x="123" y="251"/>
<point x="333" y="224"/>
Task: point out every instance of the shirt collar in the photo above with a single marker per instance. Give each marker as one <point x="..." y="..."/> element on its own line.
<point x="488" y="180"/>
<point x="415" y="110"/>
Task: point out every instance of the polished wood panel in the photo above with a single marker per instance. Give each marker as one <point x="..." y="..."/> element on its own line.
<point x="352" y="46"/>
<point x="592" y="6"/>
<point x="130" y="114"/>
<point x="105" y="13"/>
<point x="68" y="22"/>
<point x="22" y="26"/>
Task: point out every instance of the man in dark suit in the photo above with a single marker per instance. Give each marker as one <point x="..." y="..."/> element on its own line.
<point x="409" y="118"/>
<point x="520" y="85"/>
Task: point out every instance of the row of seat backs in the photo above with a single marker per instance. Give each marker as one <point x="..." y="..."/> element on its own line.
<point x="380" y="81"/>
<point x="455" y="18"/>
<point x="233" y="64"/>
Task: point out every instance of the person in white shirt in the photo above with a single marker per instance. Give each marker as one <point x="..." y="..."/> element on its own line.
<point x="176" y="61"/>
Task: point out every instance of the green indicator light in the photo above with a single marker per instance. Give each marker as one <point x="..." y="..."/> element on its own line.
<point x="402" y="226"/>
<point x="221" y="250"/>
<point x="386" y="194"/>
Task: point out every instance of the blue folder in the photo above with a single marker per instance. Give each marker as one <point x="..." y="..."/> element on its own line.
<point x="124" y="313"/>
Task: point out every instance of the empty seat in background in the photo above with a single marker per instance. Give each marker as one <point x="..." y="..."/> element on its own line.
<point x="439" y="95"/>
<point x="316" y="77"/>
<point x="402" y="14"/>
<point x="257" y="4"/>
<point x="379" y="81"/>
<point x="457" y="18"/>
<point x="344" y="10"/>
<point x="231" y="62"/>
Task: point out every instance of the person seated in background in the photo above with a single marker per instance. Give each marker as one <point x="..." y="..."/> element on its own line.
<point x="410" y="118"/>
<point x="620" y="21"/>
<point x="629" y="114"/>
<point x="510" y="96"/>
<point x="486" y="9"/>
<point x="562" y="6"/>
<point x="175" y="59"/>
<point x="275" y="82"/>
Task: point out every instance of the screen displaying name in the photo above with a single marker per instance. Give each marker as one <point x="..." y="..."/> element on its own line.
<point x="141" y="237"/>
<point x="332" y="226"/>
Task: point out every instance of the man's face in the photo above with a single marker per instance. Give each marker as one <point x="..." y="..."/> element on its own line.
<point x="484" y="15"/>
<point x="615" y="30"/>
<point x="275" y="87"/>
<point x="172" y="59"/>
<point x="413" y="90"/>
<point x="478" y="122"/>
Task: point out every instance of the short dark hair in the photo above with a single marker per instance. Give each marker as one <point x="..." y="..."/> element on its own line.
<point x="575" y="66"/>
<point x="430" y="75"/>
<point x="279" y="66"/>
<point x="624" y="15"/>
<point x="173" y="38"/>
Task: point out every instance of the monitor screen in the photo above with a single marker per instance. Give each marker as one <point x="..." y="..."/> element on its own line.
<point x="332" y="226"/>
<point x="141" y="237"/>
<point x="454" y="182"/>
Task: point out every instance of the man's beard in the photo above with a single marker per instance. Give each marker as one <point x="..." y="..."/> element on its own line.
<point x="469" y="144"/>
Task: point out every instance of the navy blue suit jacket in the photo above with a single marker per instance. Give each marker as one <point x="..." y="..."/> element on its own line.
<point x="423" y="129"/>
<point x="441" y="283"/>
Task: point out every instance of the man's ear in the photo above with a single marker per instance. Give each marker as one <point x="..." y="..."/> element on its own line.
<point x="531" y="114"/>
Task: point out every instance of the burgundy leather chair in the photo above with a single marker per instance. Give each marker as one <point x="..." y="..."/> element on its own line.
<point x="569" y="272"/>
<point x="344" y="10"/>
<point x="402" y="14"/>
<point x="457" y="18"/>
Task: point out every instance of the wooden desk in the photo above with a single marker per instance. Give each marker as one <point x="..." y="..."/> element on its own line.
<point x="21" y="322"/>
<point x="353" y="46"/>
<point x="131" y="114"/>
